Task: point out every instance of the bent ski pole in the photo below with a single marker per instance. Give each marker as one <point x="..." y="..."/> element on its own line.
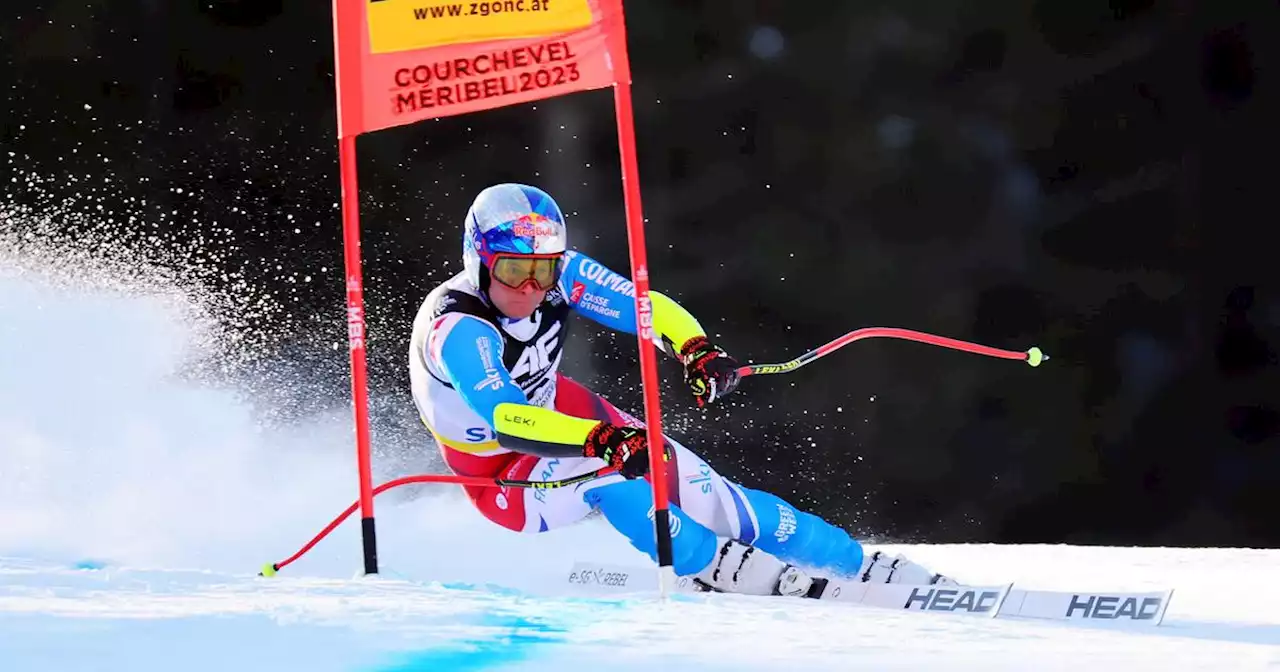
<point x="480" y="481"/>
<point x="1034" y="356"/>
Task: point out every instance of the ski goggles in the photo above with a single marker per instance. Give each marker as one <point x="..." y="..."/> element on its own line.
<point x="516" y="271"/>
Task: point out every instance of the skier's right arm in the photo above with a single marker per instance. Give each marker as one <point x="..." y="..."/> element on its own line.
<point x="468" y="351"/>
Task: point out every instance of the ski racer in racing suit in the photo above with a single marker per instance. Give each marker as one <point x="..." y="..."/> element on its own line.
<point x="484" y="358"/>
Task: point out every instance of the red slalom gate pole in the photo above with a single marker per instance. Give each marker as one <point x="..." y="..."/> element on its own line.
<point x="356" y="341"/>
<point x="372" y="48"/>
<point x="347" y="26"/>
<point x="644" y="306"/>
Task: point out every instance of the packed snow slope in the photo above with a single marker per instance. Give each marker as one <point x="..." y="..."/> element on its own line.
<point x="139" y="497"/>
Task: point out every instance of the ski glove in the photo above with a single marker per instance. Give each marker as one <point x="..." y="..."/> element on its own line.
<point x="709" y="371"/>
<point x="624" y="448"/>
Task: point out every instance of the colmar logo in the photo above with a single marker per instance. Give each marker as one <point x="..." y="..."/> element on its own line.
<point x="596" y="273"/>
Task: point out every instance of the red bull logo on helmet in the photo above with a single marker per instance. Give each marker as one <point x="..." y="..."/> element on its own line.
<point x="533" y="225"/>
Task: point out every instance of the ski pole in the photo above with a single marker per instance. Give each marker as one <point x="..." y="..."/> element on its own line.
<point x="271" y="568"/>
<point x="1034" y="356"/>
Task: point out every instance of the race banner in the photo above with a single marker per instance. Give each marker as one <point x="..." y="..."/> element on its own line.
<point x="403" y="61"/>
<point x="398" y="62"/>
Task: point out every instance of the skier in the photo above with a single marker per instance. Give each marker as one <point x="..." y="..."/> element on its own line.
<point x="484" y="358"/>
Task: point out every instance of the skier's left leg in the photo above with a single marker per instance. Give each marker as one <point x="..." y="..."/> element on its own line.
<point x="703" y="543"/>
<point x="719" y="517"/>
<point x="770" y="523"/>
<point x="726" y="509"/>
<point x="773" y="524"/>
<point x="709" y="512"/>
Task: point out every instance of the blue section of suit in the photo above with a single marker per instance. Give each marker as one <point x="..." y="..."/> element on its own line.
<point x="765" y="520"/>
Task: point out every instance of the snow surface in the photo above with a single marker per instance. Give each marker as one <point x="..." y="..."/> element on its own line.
<point x="136" y="506"/>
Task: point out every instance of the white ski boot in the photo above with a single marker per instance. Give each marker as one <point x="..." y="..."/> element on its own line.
<point x="878" y="567"/>
<point x="739" y="568"/>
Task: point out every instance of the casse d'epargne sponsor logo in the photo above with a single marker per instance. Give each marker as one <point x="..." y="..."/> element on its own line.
<point x="598" y="305"/>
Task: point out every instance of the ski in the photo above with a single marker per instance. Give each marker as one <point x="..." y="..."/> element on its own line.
<point x="961" y="600"/>
<point x="995" y="601"/>
<point x="1145" y="608"/>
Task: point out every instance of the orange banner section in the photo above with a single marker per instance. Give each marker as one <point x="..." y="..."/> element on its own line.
<point x="481" y="55"/>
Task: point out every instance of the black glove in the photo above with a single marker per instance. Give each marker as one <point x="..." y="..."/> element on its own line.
<point x="709" y="371"/>
<point x="624" y="448"/>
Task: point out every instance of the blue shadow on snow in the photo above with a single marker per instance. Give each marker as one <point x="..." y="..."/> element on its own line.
<point x="517" y="638"/>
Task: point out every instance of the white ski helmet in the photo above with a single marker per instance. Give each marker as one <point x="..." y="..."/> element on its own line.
<point x="510" y="219"/>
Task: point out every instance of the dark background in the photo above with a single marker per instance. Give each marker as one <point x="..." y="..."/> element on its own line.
<point x="1093" y="177"/>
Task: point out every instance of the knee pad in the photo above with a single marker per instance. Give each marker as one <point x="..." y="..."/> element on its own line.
<point x="794" y="535"/>
<point x="628" y="506"/>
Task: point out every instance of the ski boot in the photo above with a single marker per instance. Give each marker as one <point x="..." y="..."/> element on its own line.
<point x="745" y="569"/>
<point x="878" y="567"/>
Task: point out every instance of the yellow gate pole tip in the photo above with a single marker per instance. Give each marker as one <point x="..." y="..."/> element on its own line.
<point x="1035" y="356"/>
<point x="268" y="570"/>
